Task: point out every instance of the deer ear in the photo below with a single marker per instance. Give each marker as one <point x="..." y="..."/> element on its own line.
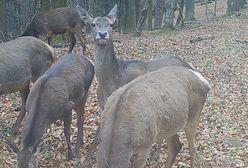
<point x="113" y="14"/>
<point x="84" y="15"/>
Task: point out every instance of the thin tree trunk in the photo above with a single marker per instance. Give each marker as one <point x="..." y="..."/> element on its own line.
<point x="149" y="14"/>
<point x="159" y="11"/>
<point x="122" y="12"/>
<point x="234" y="6"/>
<point x="130" y="17"/>
<point x="141" y="22"/>
<point x="189" y="10"/>
<point x="180" y="16"/>
<point x="229" y="8"/>
<point x="3" y="23"/>
<point x="168" y="14"/>
<point x="206" y="5"/>
<point x="215" y="7"/>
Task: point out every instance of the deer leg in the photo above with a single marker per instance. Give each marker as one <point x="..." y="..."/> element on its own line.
<point x="72" y="41"/>
<point x="81" y="38"/>
<point x="67" y="130"/>
<point x="100" y="98"/>
<point x="79" y="108"/>
<point x="190" y="132"/>
<point x="49" y="39"/>
<point x="24" y="94"/>
<point x="174" y="146"/>
<point x="139" y="159"/>
<point x="86" y="162"/>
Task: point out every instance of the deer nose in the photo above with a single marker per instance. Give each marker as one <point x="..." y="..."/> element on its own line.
<point x="102" y="34"/>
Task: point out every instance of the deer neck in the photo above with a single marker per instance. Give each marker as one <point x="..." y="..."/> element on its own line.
<point x="106" y="66"/>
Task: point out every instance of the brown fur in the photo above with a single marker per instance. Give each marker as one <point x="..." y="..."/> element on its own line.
<point x="112" y="72"/>
<point x="62" y="88"/>
<point x="58" y="21"/>
<point x="152" y="107"/>
<point x="23" y="60"/>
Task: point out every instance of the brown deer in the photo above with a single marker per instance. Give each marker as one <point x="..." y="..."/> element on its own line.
<point x="150" y="108"/>
<point x="112" y="72"/>
<point x="53" y="96"/>
<point x="21" y="61"/>
<point x="58" y="21"/>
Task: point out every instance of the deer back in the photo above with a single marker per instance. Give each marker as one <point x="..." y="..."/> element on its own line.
<point x="55" y="21"/>
<point x="22" y="60"/>
<point x="153" y="106"/>
<point x="54" y="94"/>
<point x="58" y="89"/>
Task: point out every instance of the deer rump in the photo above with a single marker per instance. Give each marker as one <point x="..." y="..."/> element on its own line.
<point x="152" y="107"/>
<point x="56" y="92"/>
<point x="23" y="60"/>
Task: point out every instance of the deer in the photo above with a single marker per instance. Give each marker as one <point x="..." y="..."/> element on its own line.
<point x="111" y="72"/>
<point x="22" y="61"/>
<point x="151" y="107"/>
<point x="58" y="21"/>
<point x="60" y="89"/>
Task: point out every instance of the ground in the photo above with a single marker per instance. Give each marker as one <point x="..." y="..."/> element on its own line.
<point x="216" y="47"/>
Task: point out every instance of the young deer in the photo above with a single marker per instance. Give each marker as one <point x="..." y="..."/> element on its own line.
<point x="58" y="21"/>
<point x="112" y="72"/>
<point x="150" y="108"/>
<point x="53" y="96"/>
<point x="23" y="60"/>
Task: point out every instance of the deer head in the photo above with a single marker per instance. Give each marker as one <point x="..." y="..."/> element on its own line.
<point x="27" y="156"/>
<point x="102" y="26"/>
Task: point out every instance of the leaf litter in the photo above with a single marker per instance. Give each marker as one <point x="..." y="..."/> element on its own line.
<point x="222" y="58"/>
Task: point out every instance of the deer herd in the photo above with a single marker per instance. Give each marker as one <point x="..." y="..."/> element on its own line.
<point x="141" y="102"/>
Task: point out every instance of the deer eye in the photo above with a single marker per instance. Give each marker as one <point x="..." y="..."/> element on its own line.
<point x="111" y="25"/>
<point x="93" y="25"/>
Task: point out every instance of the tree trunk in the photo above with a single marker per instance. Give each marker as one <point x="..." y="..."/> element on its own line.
<point x="229" y="8"/>
<point x="234" y="6"/>
<point x="215" y="7"/>
<point x="140" y="6"/>
<point x="3" y="24"/>
<point x="206" y="10"/>
<point x="189" y="10"/>
<point x="180" y="15"/>
<point x="141" y="22"/>
<point x="149" y="14"/>
<point x="168" y="14"/>
<point x="130" y="17"/>
<point x="158" y="13"/>
<point x="74" y="3"/>
<point x="46" y="5"/>
<point x="168" y="22"/>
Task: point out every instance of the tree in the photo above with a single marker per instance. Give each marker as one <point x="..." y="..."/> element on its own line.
<point x="130" y="23"/>
<point x="158" y="13"/>
<point x="3" y="25"/>
<point x="189" y="10"/>
<point x="101" y="8"/>
<point x="149" y="14"/>
<point x="234" y="6"/>
<point x="180" y="11"/>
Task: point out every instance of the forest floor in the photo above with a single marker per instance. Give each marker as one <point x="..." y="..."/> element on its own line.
<point x="218" y="49"/>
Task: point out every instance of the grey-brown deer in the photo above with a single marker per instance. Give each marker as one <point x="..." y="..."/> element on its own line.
<point x="63" y="87"/>
<point x="53" y="96"/>
<point x="150" y="108"/>
<point x="58" y="21"/>
<point x="22" y="61"/>
<point x="112" y="72"/>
